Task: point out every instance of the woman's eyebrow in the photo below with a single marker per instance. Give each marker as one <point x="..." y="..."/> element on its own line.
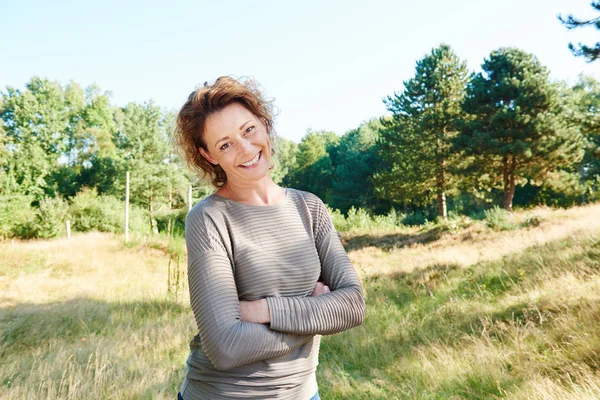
<point x="220" y="140"/>
<point x="244" y="124"/>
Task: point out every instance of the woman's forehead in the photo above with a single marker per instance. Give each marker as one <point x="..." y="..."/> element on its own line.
<point x="227" y="121"/>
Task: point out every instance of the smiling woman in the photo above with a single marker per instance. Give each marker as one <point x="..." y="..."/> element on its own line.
<point x="267" y="272"/>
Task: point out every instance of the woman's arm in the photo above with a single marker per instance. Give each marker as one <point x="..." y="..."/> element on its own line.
<point x="228" y="341"/>
<point x="329" y="313"/>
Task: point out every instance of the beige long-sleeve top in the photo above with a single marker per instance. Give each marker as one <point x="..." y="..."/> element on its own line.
<point x="239" y="252"/>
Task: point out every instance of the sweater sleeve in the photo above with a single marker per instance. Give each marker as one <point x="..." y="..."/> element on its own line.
<point x="227" y="341"/>
<point x="343" y="308"/>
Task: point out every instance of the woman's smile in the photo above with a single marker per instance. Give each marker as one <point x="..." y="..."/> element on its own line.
<point x="252" y="163"/>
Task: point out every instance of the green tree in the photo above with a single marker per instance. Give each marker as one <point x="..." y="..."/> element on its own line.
<point x="36" y="122"/>
<point x="584" y="113"/>
<point x="416" y="142"/>
<point x="516" y="127"/>
<point x="313" y="170"/>
<point x="89" y="137"/>
<point x="354" y="161"/>
<point x="142" y="143"/>
<point x="285" y="159"/>
<point x="581" y="50"/>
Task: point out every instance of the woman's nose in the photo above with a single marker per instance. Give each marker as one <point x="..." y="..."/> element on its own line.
<point x="245" y="145"/>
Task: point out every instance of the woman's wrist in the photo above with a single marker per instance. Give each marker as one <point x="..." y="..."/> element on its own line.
<point x="256" y="311"/>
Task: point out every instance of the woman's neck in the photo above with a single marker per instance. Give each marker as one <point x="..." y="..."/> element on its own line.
<point x="262" y="193"/>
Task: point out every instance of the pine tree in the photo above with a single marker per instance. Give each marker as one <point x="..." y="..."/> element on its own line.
<point x="590" y="53"/>
<point x="415" y="144"/>
<point x="516" y="127"/>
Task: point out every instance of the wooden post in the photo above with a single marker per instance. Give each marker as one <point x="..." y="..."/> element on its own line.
<point x="68" y="223"/>
<point x="127" y="209"/>
<point x="190" y="198"/>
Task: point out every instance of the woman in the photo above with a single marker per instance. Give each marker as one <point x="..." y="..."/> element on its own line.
<point x="267" y="272"/>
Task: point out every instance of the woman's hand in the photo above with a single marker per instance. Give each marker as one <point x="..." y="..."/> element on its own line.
<point x="255" y="311"/>
<point x="320" y="288"/>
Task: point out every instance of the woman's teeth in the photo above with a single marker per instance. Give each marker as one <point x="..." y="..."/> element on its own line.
<point x="252" y="162"/>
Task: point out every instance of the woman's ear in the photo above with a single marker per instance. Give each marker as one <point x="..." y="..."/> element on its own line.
<point x="207" y="156"/>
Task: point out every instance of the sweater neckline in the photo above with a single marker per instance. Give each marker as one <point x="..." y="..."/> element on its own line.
<point x="267" y="206"/>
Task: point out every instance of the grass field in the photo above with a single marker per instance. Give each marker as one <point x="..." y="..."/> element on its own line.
<point x="454" y="311"/>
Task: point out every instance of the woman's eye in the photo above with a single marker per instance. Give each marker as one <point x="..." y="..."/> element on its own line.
<point x="225" y="146"/>
<point x="249" y="129"/>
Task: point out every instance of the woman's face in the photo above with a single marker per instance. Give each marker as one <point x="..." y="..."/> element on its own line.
<point x="237" y="140"/>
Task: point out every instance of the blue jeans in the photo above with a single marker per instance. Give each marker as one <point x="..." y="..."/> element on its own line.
<point x="315" y="397"/>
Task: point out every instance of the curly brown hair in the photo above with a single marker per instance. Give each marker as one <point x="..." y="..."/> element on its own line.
<point x="188" y="135"/>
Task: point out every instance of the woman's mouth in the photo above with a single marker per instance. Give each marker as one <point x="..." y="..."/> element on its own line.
<point x="251" y="163"/>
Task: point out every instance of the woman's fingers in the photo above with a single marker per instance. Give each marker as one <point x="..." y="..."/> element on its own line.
<point x="320" y="288"/>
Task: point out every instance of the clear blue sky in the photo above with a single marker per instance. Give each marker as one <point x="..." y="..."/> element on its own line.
<point x="328" y="64"/>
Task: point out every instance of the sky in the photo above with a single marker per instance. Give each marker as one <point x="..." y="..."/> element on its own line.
<point x="327" y="64"/>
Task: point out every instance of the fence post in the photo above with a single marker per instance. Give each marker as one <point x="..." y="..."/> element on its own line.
<point x="127" y="209"/>
<point x="68" y="222"/>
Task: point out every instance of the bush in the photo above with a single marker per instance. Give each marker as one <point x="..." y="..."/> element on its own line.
<point x="176" y="218"/>
<point x="104" y="213"/>
<point x="15" y="211"/>
<point x="531" y="221"/>
<point x="47" y="221"/>
<point x="498" y="219"/>
<point x="338" y="219"/>
<point x="416" y="218"/>
<point x="361" y="219"/>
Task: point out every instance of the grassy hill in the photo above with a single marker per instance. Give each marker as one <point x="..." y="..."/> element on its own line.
<point x="462" y="310"/>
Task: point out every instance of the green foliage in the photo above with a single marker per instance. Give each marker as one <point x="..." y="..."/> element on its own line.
<point x="15" y="212"/>
<point x="89" y="211"/>
<point x="46" y="222"/>
<point x="415" y="144"/>
<point x="285" y="159"/>
<point x="582" y="50"/>
<point x="313" y="170"/>
<point x="173" y="220"/>
<point x="354" y="161"/>
<point x="516" y="130"/>
<point x="360" y="218"/>
<point x="499" y="219"/>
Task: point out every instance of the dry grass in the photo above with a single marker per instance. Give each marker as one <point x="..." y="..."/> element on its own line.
<point x="95" y="266"/>
<point x="407" y="249"/>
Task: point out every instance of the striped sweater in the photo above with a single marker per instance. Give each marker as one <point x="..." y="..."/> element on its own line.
<point x="278" y="252"/>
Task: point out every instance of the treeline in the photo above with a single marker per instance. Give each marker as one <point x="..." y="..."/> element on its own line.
<point x="454" y="141"/>
<point x="463" y="141"/>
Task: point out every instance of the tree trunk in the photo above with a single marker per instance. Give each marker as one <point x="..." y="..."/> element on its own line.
<point x="582" y="170"/>
<point x="509" y="168"/>
<point x="441" y="196"/>
<point x="153" y="226"/>
<point x="441" y="177"/>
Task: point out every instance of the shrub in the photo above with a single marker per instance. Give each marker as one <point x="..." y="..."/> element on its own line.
<point x="416" y="218"/>
<point x="531" y="221"/>
<point x="498" y="219"/>
<point x="361" y="219"/>
<point x="104" y="213"/>
<point x="15" y="211"/>
<point x="47" y="221"/>
<point x="176" y="218"/>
